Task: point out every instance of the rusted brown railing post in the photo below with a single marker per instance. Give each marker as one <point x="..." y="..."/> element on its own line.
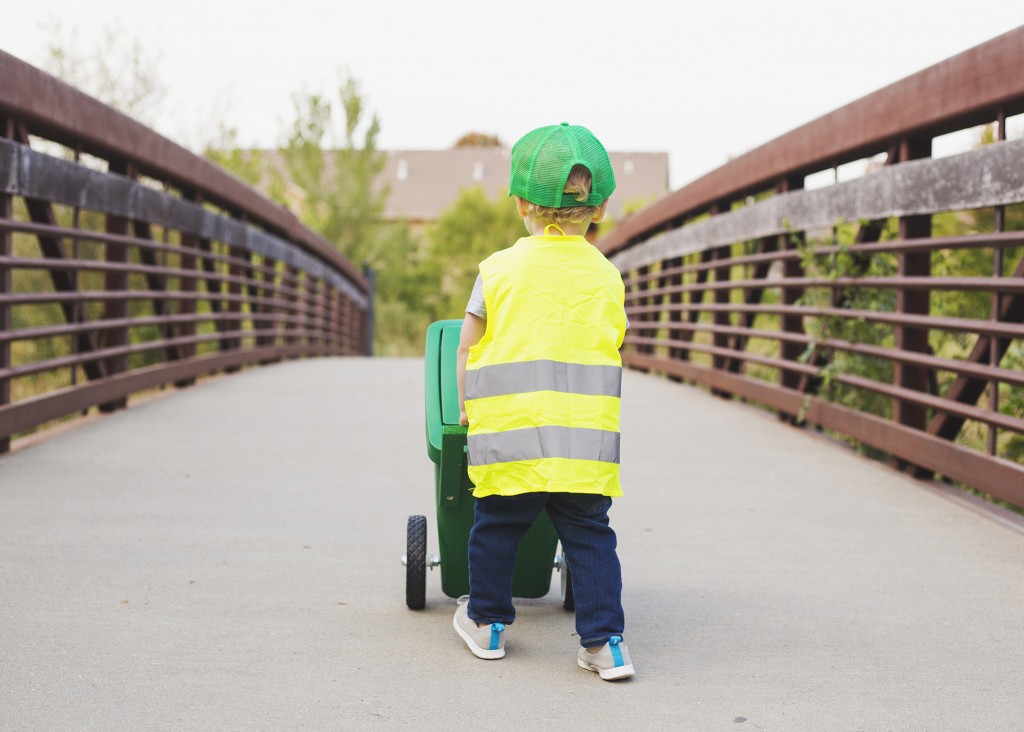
<point x="912" y="302"/>
<point x="996" y="347"/>
<point x="236" y="294"/>
<point x="643" y="284"/>
<point x="348" y="332"/>
<point x="356" y="333"/>
<point x="361" y="343"/>
<point x="115" y="305"/>
<point x="6" y="250"/>
<point x="318" y="321"/>
<point x="304" y="314"/>
<point x="694" y="298"/>
<point x="293" y="304"/>
<point x="329" y="322"/>
<point x="789" y="296"/>
<point x="214" y="294"/>
<point x="310" y="310"/>
<point x="188" y="286"/>
<point x="662" y="300"/>
<point x="338" y="330"/>
<point x="721" y="318"/>
<point x="156" y="283"/>
<point x="675" y="302"/>
<point x="252" y="296"/>
<point x="366" y="328"/>
<point x="266" y="330"/>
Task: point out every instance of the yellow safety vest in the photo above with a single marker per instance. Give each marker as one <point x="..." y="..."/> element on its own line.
<point x="543" y="383"/>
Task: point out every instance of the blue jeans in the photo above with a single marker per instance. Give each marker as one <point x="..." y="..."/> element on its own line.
<point x="581" y="521"/>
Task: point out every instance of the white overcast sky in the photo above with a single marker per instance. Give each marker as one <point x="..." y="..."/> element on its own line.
<point x="703" y="81"/>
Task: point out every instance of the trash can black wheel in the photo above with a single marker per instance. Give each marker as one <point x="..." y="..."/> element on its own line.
<point x="568" y="599"/>
<point x="416" y="563"/>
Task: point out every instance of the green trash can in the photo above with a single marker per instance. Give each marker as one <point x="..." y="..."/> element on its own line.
<point x="446" y="447"/>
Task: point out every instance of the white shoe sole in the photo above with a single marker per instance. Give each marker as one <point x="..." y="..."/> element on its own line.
<point x="484" y="653"/>
<point x="608" y="674"/>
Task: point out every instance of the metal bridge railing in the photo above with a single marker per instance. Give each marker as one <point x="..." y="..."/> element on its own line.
<point x="128" y="263"/>
<point x="843" y="306"/>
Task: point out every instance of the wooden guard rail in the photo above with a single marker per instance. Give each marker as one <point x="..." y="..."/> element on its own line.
<point x="837" y="305"/>
<point x="128" y="263"/>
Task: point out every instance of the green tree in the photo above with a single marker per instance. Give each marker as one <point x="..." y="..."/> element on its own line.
<point x="327" y="172"/>
<point x="329" y="177"/>
<point x="402" y="287"/>
<point x="470" y="230"/>
<point x="478" y="139"/>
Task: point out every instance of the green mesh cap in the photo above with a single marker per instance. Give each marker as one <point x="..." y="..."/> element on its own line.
<point x="542" y="160"/>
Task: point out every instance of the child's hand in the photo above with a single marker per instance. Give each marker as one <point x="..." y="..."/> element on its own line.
<point x="463" y="418"/>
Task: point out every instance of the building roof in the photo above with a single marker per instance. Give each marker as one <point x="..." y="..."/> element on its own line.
<point x="423" y="183"/>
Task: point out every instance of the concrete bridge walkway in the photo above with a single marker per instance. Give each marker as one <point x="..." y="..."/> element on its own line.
<point x="227" y="557"/>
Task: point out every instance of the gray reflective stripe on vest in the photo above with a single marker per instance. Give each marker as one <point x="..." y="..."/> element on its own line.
<point x="535" y="443"/>
<point x="526" y="376"/>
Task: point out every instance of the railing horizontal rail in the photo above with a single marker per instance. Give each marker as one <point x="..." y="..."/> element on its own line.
<point x="36" y="298"/>
<point x="90" y="265"/>
<point x="896" y="246"/>
<point x="944" y="405"/>
<point x="26" y="334"/>
<point x="155" y="345"/>
<point x="794" y="366"/>
<point x="1003" y="375"/>
<point x="959" y="325"/>
<point x="966" y="284"/>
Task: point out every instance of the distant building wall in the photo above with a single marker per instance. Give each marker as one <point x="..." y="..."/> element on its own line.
<point x="423" y="183"/>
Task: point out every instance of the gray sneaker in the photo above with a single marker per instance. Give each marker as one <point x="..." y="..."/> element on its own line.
<point x="486" y="642"/>
<point x="611" y="662"/>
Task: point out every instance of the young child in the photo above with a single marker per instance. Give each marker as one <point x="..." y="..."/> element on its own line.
<point x="539" y="377"/>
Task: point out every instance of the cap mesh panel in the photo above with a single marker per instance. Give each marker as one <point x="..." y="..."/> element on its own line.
<point x="543" y="158"/>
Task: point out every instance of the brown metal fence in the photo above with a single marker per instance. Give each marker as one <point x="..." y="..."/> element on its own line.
<point x="888" y="309"/>
<point x="128" y="263"/>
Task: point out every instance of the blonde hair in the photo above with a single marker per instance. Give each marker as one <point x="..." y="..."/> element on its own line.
<point x="578" y="184"/>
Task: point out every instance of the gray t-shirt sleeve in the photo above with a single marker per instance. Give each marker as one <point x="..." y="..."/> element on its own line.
<point x="476" y="305"/>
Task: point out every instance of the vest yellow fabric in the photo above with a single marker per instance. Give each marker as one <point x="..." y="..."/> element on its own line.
<point x="542" y="385"/>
